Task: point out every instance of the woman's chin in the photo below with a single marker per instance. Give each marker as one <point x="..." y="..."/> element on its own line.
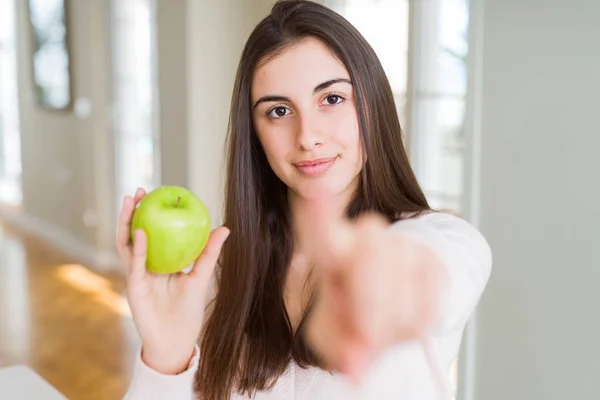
<point x="319" y="189"/>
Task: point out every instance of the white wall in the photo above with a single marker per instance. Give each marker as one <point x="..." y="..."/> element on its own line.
<point x="217" y="31"/>
<point x="538" y="325"/>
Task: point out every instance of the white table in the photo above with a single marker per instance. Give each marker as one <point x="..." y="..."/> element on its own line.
<point x="22" y="383"/>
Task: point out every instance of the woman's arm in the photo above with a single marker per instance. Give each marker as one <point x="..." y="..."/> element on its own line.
<point x="167" y="310"/>
<point x="419" y="278"/>
<point x="148" y="384"/>
<point x="465" y="261"/>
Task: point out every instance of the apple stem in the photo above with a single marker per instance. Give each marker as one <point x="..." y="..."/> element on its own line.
<point x="178" y="201"/>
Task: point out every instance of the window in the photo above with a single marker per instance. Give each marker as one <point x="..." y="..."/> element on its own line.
<point x="426" y="41"/>
<point x="437" y="98"/>
<point x="134" y="96"/>
<point x="10" y="139"/>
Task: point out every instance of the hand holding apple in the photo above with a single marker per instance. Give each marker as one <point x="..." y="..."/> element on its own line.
<point x="167" y="308"/>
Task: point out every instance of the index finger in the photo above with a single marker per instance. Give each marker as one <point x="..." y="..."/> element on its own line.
<point x="324" y="226"/>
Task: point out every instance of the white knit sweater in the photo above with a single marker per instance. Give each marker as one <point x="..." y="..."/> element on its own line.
<point x="406" y="371"/>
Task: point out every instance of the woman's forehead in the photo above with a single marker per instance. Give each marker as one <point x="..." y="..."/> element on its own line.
<point x="300" y="66"/>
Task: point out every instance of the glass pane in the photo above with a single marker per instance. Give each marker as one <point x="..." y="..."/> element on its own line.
<point x="440" y="124"/>
<point x="136" y="166"/>
<point x="438" y="104"/>
<point x="453" y="39"/>
<point x="133" y="113"/>
<point x="133" y="79"/>
<point x="51" y="58"/>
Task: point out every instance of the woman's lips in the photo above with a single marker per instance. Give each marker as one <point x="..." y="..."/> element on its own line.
<point x="314" y="167"/>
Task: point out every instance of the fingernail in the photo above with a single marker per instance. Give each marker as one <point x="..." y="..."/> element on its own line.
<point x="356" y="364"/>
<point x="354" y="373"/>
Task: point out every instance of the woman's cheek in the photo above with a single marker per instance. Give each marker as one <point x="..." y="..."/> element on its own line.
<point x="346" y="130"/>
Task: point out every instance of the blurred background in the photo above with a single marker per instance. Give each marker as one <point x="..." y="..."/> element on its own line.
<point x="499" y="101"/>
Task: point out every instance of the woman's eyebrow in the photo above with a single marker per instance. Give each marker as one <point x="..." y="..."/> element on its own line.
<point x="265" y="99"/>
<point x="330" y="82"/>
<point x="317" y="88"/>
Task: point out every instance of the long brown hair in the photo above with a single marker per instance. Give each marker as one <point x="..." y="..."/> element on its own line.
<point x="248" y="340"/>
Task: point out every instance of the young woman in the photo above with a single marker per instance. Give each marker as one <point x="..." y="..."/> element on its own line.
<point x="334" y="279"/>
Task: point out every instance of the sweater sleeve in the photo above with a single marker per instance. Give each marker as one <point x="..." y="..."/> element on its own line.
<point x="148" y="384"/>
<point x="466" y="259"/>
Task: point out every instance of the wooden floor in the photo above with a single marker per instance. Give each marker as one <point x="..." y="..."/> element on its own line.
<point x="69" y="324"/>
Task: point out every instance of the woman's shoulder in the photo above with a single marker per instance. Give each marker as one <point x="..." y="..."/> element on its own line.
<point x="450" y="235"/>
<point x="430" y="214"/>
<point x="442" y="221"/>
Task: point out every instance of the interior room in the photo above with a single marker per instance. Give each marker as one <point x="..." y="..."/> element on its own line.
<point x="497" y="102"/>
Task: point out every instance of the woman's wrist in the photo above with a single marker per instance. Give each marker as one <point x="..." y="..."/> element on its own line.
<point x="167" y="363"/>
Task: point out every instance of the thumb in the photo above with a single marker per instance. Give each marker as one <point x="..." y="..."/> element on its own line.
<point x="328" y="233"/>
<point x="205" y="264"/>
<point x="137" y="269"/>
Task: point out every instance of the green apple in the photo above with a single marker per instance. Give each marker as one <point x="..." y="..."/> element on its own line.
<point x="177" y="225"/>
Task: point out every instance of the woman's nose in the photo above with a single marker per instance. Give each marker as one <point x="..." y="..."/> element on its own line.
<point x="310" y="135"/>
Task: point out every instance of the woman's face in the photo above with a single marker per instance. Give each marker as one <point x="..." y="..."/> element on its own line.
<point x="305" y="116"/>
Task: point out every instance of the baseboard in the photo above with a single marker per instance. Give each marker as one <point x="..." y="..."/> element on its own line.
<point x="60" y="239"/>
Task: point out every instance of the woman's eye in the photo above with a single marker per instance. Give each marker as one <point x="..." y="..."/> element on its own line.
<point x="278" y="112"/>
<point x="333" y="99"/>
